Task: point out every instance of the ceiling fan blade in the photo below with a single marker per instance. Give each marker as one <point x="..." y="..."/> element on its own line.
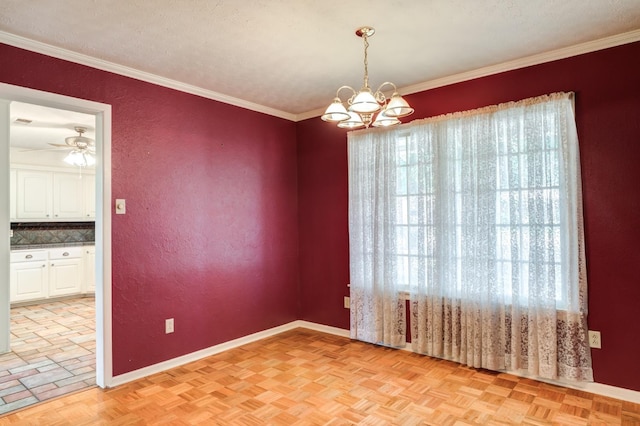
<point x="39" y="149"/>
<point x="58" y="145"/>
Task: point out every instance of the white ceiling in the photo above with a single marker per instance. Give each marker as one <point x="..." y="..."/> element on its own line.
<point x="288" y="57"/>
<point x="30" y="141"/>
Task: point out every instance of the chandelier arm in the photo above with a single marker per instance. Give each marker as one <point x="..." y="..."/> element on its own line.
<point x="387" y="83"/>
<point x="345" y="87"/>
<point x="379" y="94"/>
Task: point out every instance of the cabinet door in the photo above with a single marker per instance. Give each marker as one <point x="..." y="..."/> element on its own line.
<point x="12" y="194"/>
<point x="29" y="281"/>
<point x="65" y="277"/>
<point x="33" y="195"/>
<point x="68" y="192"/>
<point x="89" y="266"/>
<point x="89" y="196"/>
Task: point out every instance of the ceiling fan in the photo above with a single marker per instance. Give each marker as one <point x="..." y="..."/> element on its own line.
<point x="83" y="149"/>
<point x="80" y="143"/>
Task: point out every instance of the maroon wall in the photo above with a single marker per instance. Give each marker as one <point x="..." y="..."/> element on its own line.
<point x="607" y="91"/>
<point x="210" y="234"/>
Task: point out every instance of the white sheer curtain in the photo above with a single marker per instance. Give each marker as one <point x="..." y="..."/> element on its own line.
<point x="477" y="217"/>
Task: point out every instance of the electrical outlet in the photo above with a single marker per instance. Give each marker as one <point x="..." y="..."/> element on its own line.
<point x="168" y="326"/>
<point x="347" y="302"/>
<point x="594" y="339"/>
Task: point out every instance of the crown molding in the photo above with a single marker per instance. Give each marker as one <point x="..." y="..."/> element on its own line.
<point x="68" y="55"/>
<point x="553" y="55"/>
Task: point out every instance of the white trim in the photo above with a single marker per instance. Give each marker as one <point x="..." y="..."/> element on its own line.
<point x="596" y="388"/>
<point x="68" y="55"/>
<point x="102" y="112"/>
<point x="79" y="58"/>
<point x="323" y="328"/>
<point x="554" y="55"/>
<point x="5" y="218"/>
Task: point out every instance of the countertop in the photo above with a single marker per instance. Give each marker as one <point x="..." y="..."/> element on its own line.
<point x="48" y="246"/>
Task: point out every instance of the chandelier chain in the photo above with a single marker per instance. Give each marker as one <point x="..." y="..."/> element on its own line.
<point x="366" y="61"/>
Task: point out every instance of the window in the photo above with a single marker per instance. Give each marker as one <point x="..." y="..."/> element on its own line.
<point x="477" y="217"/>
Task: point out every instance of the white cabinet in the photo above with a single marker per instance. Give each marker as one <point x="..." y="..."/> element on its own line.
<point x="68" y="196"/>
<point x="89" y="187"/>
<point x="34" y="195"/>
<point x="12" y="195"/>
<point x="29" y="275"/>
<point x="65" y="271"/>
<point x="53" y="196"/>
<point x="89" y="267"/>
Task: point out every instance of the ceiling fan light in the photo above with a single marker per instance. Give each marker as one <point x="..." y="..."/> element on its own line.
<point x="398" y="107"/>
<point x="335" y="112"/>
<point x="353" y="122"/>
<point x="364" y="102"/>
<point x="90" y="159"/>
<point x="383" y="120"/>
<point x="73" y="158"/>
<point x="80" y="159"/>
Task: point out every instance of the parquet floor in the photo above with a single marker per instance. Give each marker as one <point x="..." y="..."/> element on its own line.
<point x="304" y="377"/>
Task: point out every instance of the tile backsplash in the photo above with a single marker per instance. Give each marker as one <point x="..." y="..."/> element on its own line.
<point x="25" y="234"/>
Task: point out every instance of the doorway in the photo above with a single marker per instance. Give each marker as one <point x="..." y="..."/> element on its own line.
<point x="102" y="114"/>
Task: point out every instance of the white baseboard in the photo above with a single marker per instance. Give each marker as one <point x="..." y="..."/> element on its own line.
<point x="596" y="388"/>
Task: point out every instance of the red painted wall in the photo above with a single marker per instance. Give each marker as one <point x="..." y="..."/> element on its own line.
<point x="607" y="91"/>
<point x="210" y="235"/>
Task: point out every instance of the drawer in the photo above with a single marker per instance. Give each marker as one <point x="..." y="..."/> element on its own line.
<point x="65" y="252"/>
<point x="28" y="255"/>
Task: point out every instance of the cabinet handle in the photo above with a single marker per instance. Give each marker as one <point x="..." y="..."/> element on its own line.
<point x="47" y="215"/>
<point x="44" y="265"/>
<point x="29" y="256"/>
<point x="66" y="253"/>
<point x="56" y="215"/>
<point x="53" y="264"/>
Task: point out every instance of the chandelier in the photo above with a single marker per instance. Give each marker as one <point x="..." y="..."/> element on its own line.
<point x="363" y="105"/>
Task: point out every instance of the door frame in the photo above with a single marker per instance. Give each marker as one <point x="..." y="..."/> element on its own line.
<point x="102" y="112"/>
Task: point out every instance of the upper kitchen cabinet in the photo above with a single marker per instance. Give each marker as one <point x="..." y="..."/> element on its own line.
<point x="53" y="196"/>
<point x="68" y="196"/>
<point x="89" y="196"/>
<point x="34" y="195"/>
<point x="12" y="195"/>
<point x="52" y="164"/>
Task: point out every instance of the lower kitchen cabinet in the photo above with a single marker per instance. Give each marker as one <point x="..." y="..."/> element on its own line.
<point x="65" y="271"/>
<point x="42" y="274"/>
<point x="29" y="276"/>
<point x="89" y="263"/>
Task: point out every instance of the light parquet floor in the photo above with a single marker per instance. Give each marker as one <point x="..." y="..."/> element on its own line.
<point x="304" y="377"/>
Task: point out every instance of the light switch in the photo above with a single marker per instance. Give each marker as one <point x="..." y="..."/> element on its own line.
<point x="121" y="206"/>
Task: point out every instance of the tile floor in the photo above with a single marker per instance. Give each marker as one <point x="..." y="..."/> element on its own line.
<point x="53" y="352"/>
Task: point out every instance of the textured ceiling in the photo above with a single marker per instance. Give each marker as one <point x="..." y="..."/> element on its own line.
<point x="291" y="55"/>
